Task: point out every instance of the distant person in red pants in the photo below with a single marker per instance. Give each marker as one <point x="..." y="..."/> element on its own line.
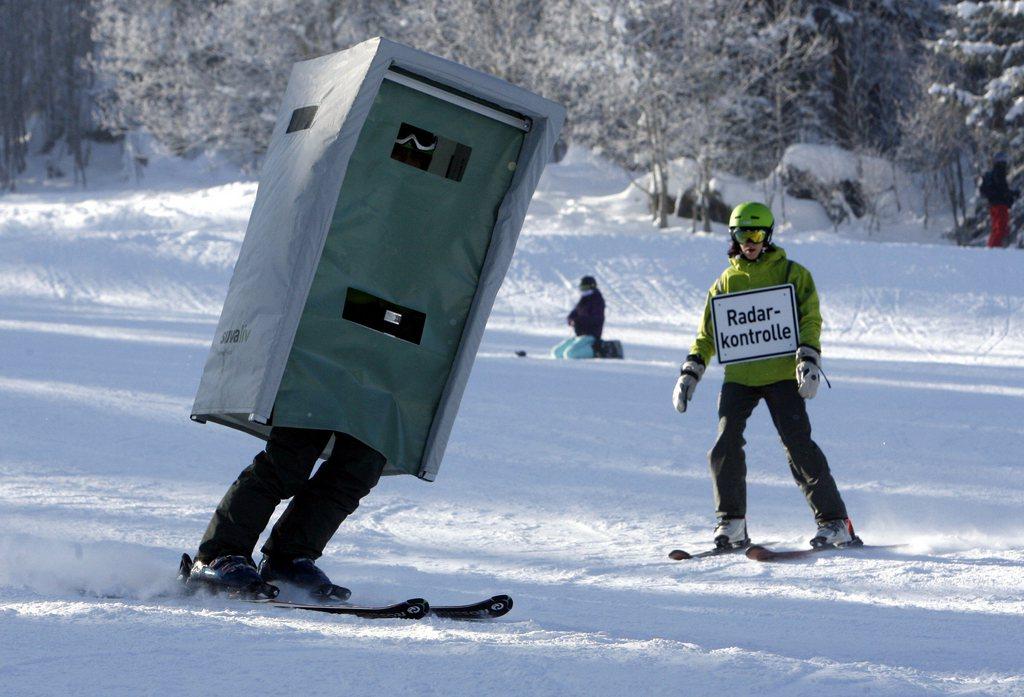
<point x="1000" y="197"/>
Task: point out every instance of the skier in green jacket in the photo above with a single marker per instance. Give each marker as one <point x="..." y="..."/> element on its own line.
<point x="783" y="382"/>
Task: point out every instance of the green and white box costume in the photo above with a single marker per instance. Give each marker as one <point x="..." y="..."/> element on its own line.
<point x="389" y="205"/>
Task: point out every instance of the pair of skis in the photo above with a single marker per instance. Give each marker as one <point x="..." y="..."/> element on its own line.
<point x="412" y="609"/>
<point x="767" y="554"/>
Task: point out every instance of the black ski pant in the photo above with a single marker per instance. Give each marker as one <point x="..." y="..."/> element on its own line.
<point x="806" y="461"/>
<point x="318" y="504"/>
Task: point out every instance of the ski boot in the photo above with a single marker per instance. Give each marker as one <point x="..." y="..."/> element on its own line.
<point x="835" y="533"/>
<point x="235" y="575"/>
<point x="302" y="572"/>
<point x="731" y="533"/>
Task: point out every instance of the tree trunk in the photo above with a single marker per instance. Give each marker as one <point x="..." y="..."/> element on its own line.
<point x="704" y="192"/>
<point x="962" y="196"/>
<point x="927" y="193"/>
<point x="661" y="202"/>
<point x="840" y="79"/>
<point x="13" y="95"/>
<point x="963" y="235"/>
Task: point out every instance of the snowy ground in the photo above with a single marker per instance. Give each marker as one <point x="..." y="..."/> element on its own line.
<point x="565" y="484"/>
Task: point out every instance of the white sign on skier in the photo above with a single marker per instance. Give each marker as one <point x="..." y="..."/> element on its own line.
<point x="755" y="324"/>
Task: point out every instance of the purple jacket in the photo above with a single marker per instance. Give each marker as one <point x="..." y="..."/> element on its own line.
<point x="587" y="318"/>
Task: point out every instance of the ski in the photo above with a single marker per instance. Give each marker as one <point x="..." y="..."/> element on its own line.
<point x="485" y="609"/>
<point x="681" y="554"/>
<point x="761" y="553"/>
<point x="413" y="609"/>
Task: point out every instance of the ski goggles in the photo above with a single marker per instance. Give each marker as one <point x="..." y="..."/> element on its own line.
<point x="749" y="234"/>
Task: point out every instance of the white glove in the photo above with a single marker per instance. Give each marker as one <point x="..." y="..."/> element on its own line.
<point x="692" y="371"/>
<point x="808" y="371"/>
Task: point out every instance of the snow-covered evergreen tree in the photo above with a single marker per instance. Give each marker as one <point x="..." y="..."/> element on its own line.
<point x="777" y="107"/>
<point x="987" y="40"/>
<point x="44" y="83"/>
<point x="852" y="92"/>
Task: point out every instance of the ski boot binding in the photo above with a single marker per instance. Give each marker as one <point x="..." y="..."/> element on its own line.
<point x="836" y="533"/>
<point x="235" y="575"/>
<point x="303" y="573"/>
<point x="731" y="533"/>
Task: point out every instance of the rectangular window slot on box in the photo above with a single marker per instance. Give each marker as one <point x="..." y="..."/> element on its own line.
<point x="380" y="315"/>
<point x="302" y="118"/>
<point x="430" y="152"/>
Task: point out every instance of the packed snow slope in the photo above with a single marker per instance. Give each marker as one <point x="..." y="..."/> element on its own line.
<point x="565" y="483"/>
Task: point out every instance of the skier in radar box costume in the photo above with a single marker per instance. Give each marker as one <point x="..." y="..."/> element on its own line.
<point x="388" y="209"/>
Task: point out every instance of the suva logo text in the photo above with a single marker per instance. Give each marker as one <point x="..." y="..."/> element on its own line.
<point x="235" y="336"/>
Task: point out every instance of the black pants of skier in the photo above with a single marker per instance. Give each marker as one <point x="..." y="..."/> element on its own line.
<point x="806" y="461"/>
<point x="318" y="504"/>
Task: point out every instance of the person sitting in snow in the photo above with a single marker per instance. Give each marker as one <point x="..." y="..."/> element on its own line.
<point x="782" y="382"/>
<point x="1000" y="196"/>
<point x="587" y="320"/>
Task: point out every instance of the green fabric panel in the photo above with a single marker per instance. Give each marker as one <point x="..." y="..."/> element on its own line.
<point x="415" y="239"/>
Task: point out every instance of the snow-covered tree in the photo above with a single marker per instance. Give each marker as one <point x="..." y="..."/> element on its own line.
<point x="732" y="84"/>
<point x="505" y="38"/>
<point x="936" y="142"/>
<point x="209" y="75"/>
<point x="987" y="40"/>
<point x="655" y="81"/>
<point x="828" y="71"/>
<point x="44" y="83"/>
<point x="774" y="111"/>
<point x="14" y="92"/>
<point x="729" y="84"/>
<point x="852" y="91"/>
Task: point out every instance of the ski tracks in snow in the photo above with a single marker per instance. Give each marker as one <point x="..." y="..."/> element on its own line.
<point x="565" y="484"/>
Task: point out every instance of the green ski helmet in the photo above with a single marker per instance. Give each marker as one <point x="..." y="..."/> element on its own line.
<point x="752" y="215"/>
